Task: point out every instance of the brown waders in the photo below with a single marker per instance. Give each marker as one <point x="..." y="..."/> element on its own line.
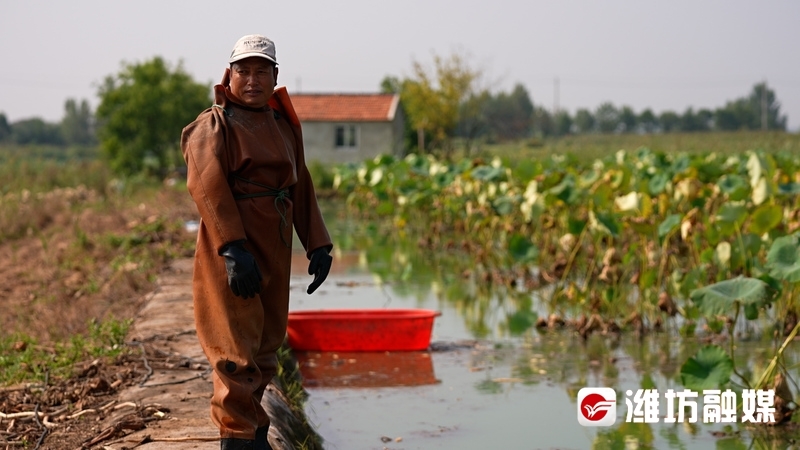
<point x="247" y="175"/>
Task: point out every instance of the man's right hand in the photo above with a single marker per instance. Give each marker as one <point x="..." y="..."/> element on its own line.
<point x="244" y="278"/>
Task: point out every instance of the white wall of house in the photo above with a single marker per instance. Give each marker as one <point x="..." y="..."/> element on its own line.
<point x="370" y="139"/>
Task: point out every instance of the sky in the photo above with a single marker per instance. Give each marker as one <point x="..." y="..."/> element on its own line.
<point x="659" y="55"/>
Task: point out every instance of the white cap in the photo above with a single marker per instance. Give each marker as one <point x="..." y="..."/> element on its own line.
<point x="253" y="45"/>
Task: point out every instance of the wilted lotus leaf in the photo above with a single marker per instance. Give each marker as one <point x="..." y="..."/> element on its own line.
<point x="629" y="202"/>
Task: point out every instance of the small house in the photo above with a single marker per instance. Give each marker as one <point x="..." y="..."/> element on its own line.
<point x="340" y="128"/>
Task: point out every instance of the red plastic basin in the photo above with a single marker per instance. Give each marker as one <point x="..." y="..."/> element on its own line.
<point x="361" y="330"/>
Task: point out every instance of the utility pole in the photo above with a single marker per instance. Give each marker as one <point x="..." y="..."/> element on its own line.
<point x="764" y="116"/>
<point x="299" y="83"/>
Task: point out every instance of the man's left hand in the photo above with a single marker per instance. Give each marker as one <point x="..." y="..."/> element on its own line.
<point x="319" y="266"/>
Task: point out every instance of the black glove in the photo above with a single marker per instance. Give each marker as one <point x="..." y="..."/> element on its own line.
<point x="319" y="266"/>
<point x="244" y="277"/>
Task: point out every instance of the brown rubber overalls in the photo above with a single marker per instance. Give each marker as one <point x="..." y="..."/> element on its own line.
<point x="227" y="149"/>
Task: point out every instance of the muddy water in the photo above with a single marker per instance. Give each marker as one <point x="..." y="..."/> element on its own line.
<point x="490" y="382"/>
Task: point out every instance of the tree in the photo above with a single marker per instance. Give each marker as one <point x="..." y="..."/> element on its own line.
<point x="669" y="121"/>
<point x="735" y="115"/>
<point x="648" y="121"/>
<point x="746" y="112"/>
<point x="628" y="118"/>
<point x="543" y="122"/>
<point x="77" y="125"/>
<point x="762" y="98"/>
<point x="35" y="131"/>
<point x="584" y="120"/>
<point x="142" y="111"/>
<point x="563" y="123"/>
<point x="607" y="117"/>
<point x="509" y="116"/>
<point x="473" y="121"/>
<point x="391" y="85"/>
<point x="5" y="128"/>
<point x="433" y="100"/>
<point x="691" y="121"/>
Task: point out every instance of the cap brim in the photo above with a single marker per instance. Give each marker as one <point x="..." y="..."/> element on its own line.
<point x="250" y="55"/>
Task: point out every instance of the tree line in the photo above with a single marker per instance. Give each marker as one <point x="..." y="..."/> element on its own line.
<point x="77" y="127"/>
<point x="448" y="103"/>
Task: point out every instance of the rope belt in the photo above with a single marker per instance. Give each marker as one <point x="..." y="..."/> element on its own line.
<point x="281" y="195"/>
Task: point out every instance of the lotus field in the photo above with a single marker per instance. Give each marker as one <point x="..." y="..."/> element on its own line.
<point x="706" y="244"/>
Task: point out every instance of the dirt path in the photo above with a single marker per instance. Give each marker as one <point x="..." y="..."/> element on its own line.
<point x="167" y="323"/>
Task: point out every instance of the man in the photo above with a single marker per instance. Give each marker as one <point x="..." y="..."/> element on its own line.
<point x="248" y="177"/>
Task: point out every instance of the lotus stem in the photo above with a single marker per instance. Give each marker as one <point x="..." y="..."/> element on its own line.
<point x="774" y="362"/>
<point x="572" y="255"/>
<point x="731" y="329"/>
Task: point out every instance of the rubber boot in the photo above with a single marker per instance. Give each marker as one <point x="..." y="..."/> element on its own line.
<point x="236" y="444"/>
<point x="262" y="443"/>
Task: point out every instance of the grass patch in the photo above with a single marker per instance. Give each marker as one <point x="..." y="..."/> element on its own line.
<point x="23" y="358"/>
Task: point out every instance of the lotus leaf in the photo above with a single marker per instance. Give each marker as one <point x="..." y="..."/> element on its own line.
<point x="522" y="249"/>
<point x="669" y="225"/>
<point x="526" y="170"/>
<point x="789" y="189"/>
<point x="759" y="166"/>
<point x="723" y="297"/>
<point x="760" y="191"/>
<point x="604" y="222"/>
<point x="564" y="191"/>
<point x="732" y="213"/>
<point x="709" y="171"/>
<point x="722" y="254"/>
<point x="488" y="173"/>
<point x="602" y="196"/>
<point x="744" y="251"/>
<point x="783" y="258"/>
<point x="691" y="280"/>
<point x="504" y="205"/>
<point x="575" y="226"/>
<point x="629" y="202"/>
<point x="521" y="321"/>
<point x="658" y="183"/>
<point x="681" y="163"/>
<point x="588" y="178"/>
<point x="709" y="368"/>
<point x="734" y="186"/>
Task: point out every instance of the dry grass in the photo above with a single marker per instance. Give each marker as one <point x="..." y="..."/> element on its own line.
<point x="79" y="245"/>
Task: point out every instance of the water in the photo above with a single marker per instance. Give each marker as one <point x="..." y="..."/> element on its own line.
<point x="501" y="385"/>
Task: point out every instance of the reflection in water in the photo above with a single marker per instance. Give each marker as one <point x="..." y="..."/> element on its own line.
<point x="366" y="369"/>
<point x="518" y="355"/>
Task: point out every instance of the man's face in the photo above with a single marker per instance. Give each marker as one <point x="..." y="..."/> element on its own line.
<point x="253" y="80"/>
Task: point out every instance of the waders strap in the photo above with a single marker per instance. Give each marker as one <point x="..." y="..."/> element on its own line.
<point x="280" y="202"/>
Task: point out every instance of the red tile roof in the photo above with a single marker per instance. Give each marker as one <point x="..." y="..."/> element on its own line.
<point x="345" y="107"/>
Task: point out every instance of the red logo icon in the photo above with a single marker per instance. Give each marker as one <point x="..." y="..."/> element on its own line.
<point x="597" y="407"/>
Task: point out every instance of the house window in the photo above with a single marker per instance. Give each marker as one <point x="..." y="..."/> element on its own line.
<point x="346" y="136"/>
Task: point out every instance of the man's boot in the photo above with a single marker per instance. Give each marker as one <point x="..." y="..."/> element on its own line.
<point x="262" y="443"/>
<point x="236" y="444"/>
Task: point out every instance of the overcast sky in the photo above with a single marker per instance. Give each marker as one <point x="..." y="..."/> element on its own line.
<point x="660" y="55"/>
